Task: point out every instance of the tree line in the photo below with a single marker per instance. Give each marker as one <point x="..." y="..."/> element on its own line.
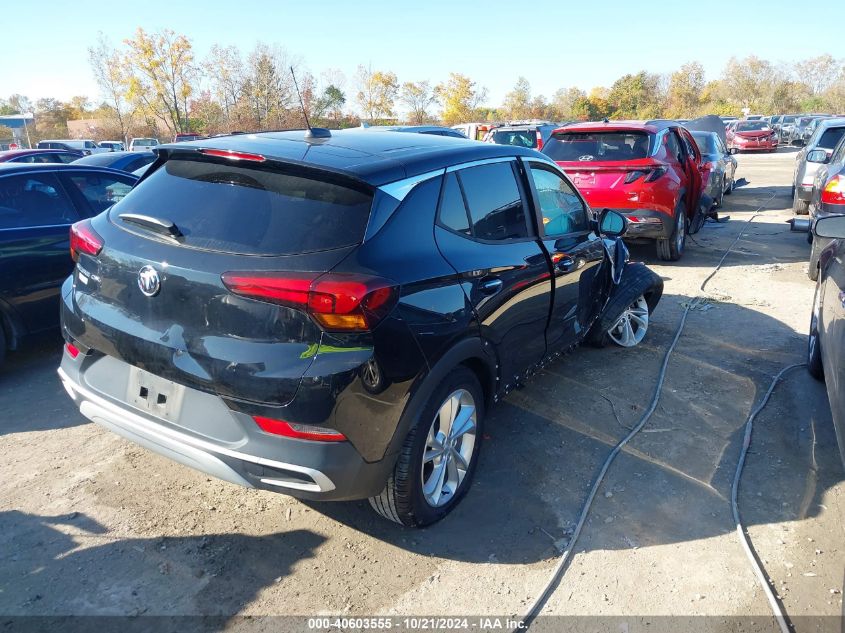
<point x="155" y="84"/>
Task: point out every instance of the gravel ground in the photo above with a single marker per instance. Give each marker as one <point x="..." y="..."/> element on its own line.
<point x="93" y="525"/>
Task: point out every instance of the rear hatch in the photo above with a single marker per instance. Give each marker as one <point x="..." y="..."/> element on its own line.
<point x="188" y="223"/>
<point x="606" y="166"/>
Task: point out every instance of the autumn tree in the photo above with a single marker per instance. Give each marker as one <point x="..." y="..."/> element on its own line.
<point x="685" y="88"/>
<point x="330" y="102"/>
<point x="377" y="92"/>
<point x="460" y="98"/>
<point x="564" y="102"/>
<point x="110" y="73"/>
<point x="226" y="72"/>
<point x="636" y="96"/>
<point x="418" y="97"/>
<point x="517" y="104"/>
<point x="819" y="73"/>
<point x="162" y="76"/>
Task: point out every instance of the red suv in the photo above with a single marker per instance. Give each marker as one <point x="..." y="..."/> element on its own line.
<point x="649" y="171"/>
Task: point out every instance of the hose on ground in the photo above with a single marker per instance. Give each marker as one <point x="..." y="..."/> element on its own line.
<point x="557" y="573"/>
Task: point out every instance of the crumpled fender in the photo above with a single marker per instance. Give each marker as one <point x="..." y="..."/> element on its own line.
<point x="617" y="255"/>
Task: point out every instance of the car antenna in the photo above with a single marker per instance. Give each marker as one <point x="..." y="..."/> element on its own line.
<point x="313" y="132"/>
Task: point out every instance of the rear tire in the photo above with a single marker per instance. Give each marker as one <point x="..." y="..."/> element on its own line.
<point x="721" y="198"/>
<point x="672" y="249"/>
<point x="731" y="185"/>
<point x="800" y="207"/>
<point x="404" y="498"/>
<point x="813" y="266"/>
<point x="814" y="350"/>
<point x="637" y="281"/>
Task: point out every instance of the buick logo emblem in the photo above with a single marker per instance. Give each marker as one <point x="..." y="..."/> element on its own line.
<point x="148" y="281"/>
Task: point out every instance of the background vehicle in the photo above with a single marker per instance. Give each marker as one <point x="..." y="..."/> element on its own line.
<point x="86" y="146"/>
<point x="826" y="136"/>
<point x="746" y="136"/>
<point x="785" y="127"/>
<point x="38" y="203"/>
<point x="124" y="161"/>
<point x="183" y="137"/>
<point x="827" y="196"/>
<point x="826" y="342"/>
<point x="718" y="166"/>
<point x="142" y="144"/>
<point x="40" y="156"/>
<point x="533" y="135"/>
<point x="810" y="129"/>
<point x="475" y="131"/>
<point x="648" y="171"/>
<point x="114" y="146"/>
<point x="797" y="131"/>
<point x="345" y="322"/>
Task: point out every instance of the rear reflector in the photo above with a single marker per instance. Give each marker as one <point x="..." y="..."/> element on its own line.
<point x="539" y="141"/>
<point x="225" y="153"/>
<point x="336" y="301"/>
<point x="84" y="239"/>
<point x="298" y="431"/>
<point x="72" y="350"/>
<point x="834" y="191"/>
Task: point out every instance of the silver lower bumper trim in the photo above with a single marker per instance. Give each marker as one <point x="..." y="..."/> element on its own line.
<point x="185" y="449"/>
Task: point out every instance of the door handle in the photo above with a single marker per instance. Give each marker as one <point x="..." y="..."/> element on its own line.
<point x="565" y="264"/>
<point x="490" y="286"/>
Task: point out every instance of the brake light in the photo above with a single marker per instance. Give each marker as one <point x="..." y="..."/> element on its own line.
<point x="632" y="176"/>
<point x="84" y="239"/>
<point x="72" y="350"/>
<point x="225" y="153"/>
<point x="650" y="174"/>
<point x="655" y="174"/>
<point x="298" y="431"/>
<point x="834" y="191"/>
<point x="539" y="141"/>
<point x="336" y="301"/>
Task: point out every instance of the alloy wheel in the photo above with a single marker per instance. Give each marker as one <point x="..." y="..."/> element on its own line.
<point x="449" y="448"/>
<point x="631" y="327"/>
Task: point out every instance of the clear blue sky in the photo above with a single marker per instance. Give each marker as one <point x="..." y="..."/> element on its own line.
<point x="553" y="44"/>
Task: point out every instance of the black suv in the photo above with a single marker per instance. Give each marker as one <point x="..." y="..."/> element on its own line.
<point x="331" y="317"/>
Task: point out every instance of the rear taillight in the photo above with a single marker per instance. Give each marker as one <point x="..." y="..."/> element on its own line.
<point x="298" y="431"/>
<point x="84" y="239"/>
<point x="834" y="191"/>
<point x="539" y="141"/>
<point x="649" y="175"/>
<point x="72" y="350"/>
<point x="338" y="302"/>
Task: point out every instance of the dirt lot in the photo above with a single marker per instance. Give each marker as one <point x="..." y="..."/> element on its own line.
<point x="90" y="524"/>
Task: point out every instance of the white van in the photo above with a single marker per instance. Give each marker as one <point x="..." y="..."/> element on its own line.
<point x="86" y="146"/>
<point x="142" y="144"/>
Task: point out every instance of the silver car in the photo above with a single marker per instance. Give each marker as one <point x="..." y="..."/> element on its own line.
<point x="826" y="136"/>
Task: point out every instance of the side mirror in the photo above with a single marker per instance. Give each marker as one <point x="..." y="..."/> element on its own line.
<point x="817" y="156"/>
<point x="833" y="226"/>
<point x="612" y="224"/>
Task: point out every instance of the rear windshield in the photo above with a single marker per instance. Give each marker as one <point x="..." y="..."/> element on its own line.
<point x="249" y="210"/>
<point x="706" y="143"/>
<point x="788" y="119"/>
<point x="522" y="138"/>
<point x="597" y="146"/>
<point x="145" y="142"/>
<point x="830" y="137"/>
<point x="751" y="126"/>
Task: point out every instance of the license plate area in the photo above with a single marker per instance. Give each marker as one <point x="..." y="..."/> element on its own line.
<point x="583" y="179"/>
<point x="154" y="395"/>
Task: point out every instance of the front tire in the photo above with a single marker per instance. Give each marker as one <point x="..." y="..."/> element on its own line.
<point x="672" y="249"/>
<point x="631" y="304"/>
<point x="439" y="456"/>
<point x="814" y="350"/>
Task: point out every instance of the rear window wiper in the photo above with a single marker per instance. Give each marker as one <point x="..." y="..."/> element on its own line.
<point x="157" y="225"/>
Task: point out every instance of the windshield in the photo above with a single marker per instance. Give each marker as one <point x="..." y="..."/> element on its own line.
<point x="751" y="126"/>
<point x="788" y="119"/>
<point x="521" y="138"/>
<point x="597" y="146"/>
<point x="804" y="121"/>
<point x="706" y="142"/>
<point x="145" y="142"/>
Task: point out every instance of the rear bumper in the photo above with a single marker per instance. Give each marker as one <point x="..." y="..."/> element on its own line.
<point x="305" y="469"/>
<point x="647" y="224"/>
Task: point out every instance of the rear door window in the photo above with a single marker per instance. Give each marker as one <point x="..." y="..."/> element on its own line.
<point x="495" y="204"/>
<point x="830" y="137"/>
<point x="251" y="210"/>
<point x="31" y="200"/>
<point x="100" y="190"/>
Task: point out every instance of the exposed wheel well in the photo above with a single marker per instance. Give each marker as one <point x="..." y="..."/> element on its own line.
<point x="487" y="380"/>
